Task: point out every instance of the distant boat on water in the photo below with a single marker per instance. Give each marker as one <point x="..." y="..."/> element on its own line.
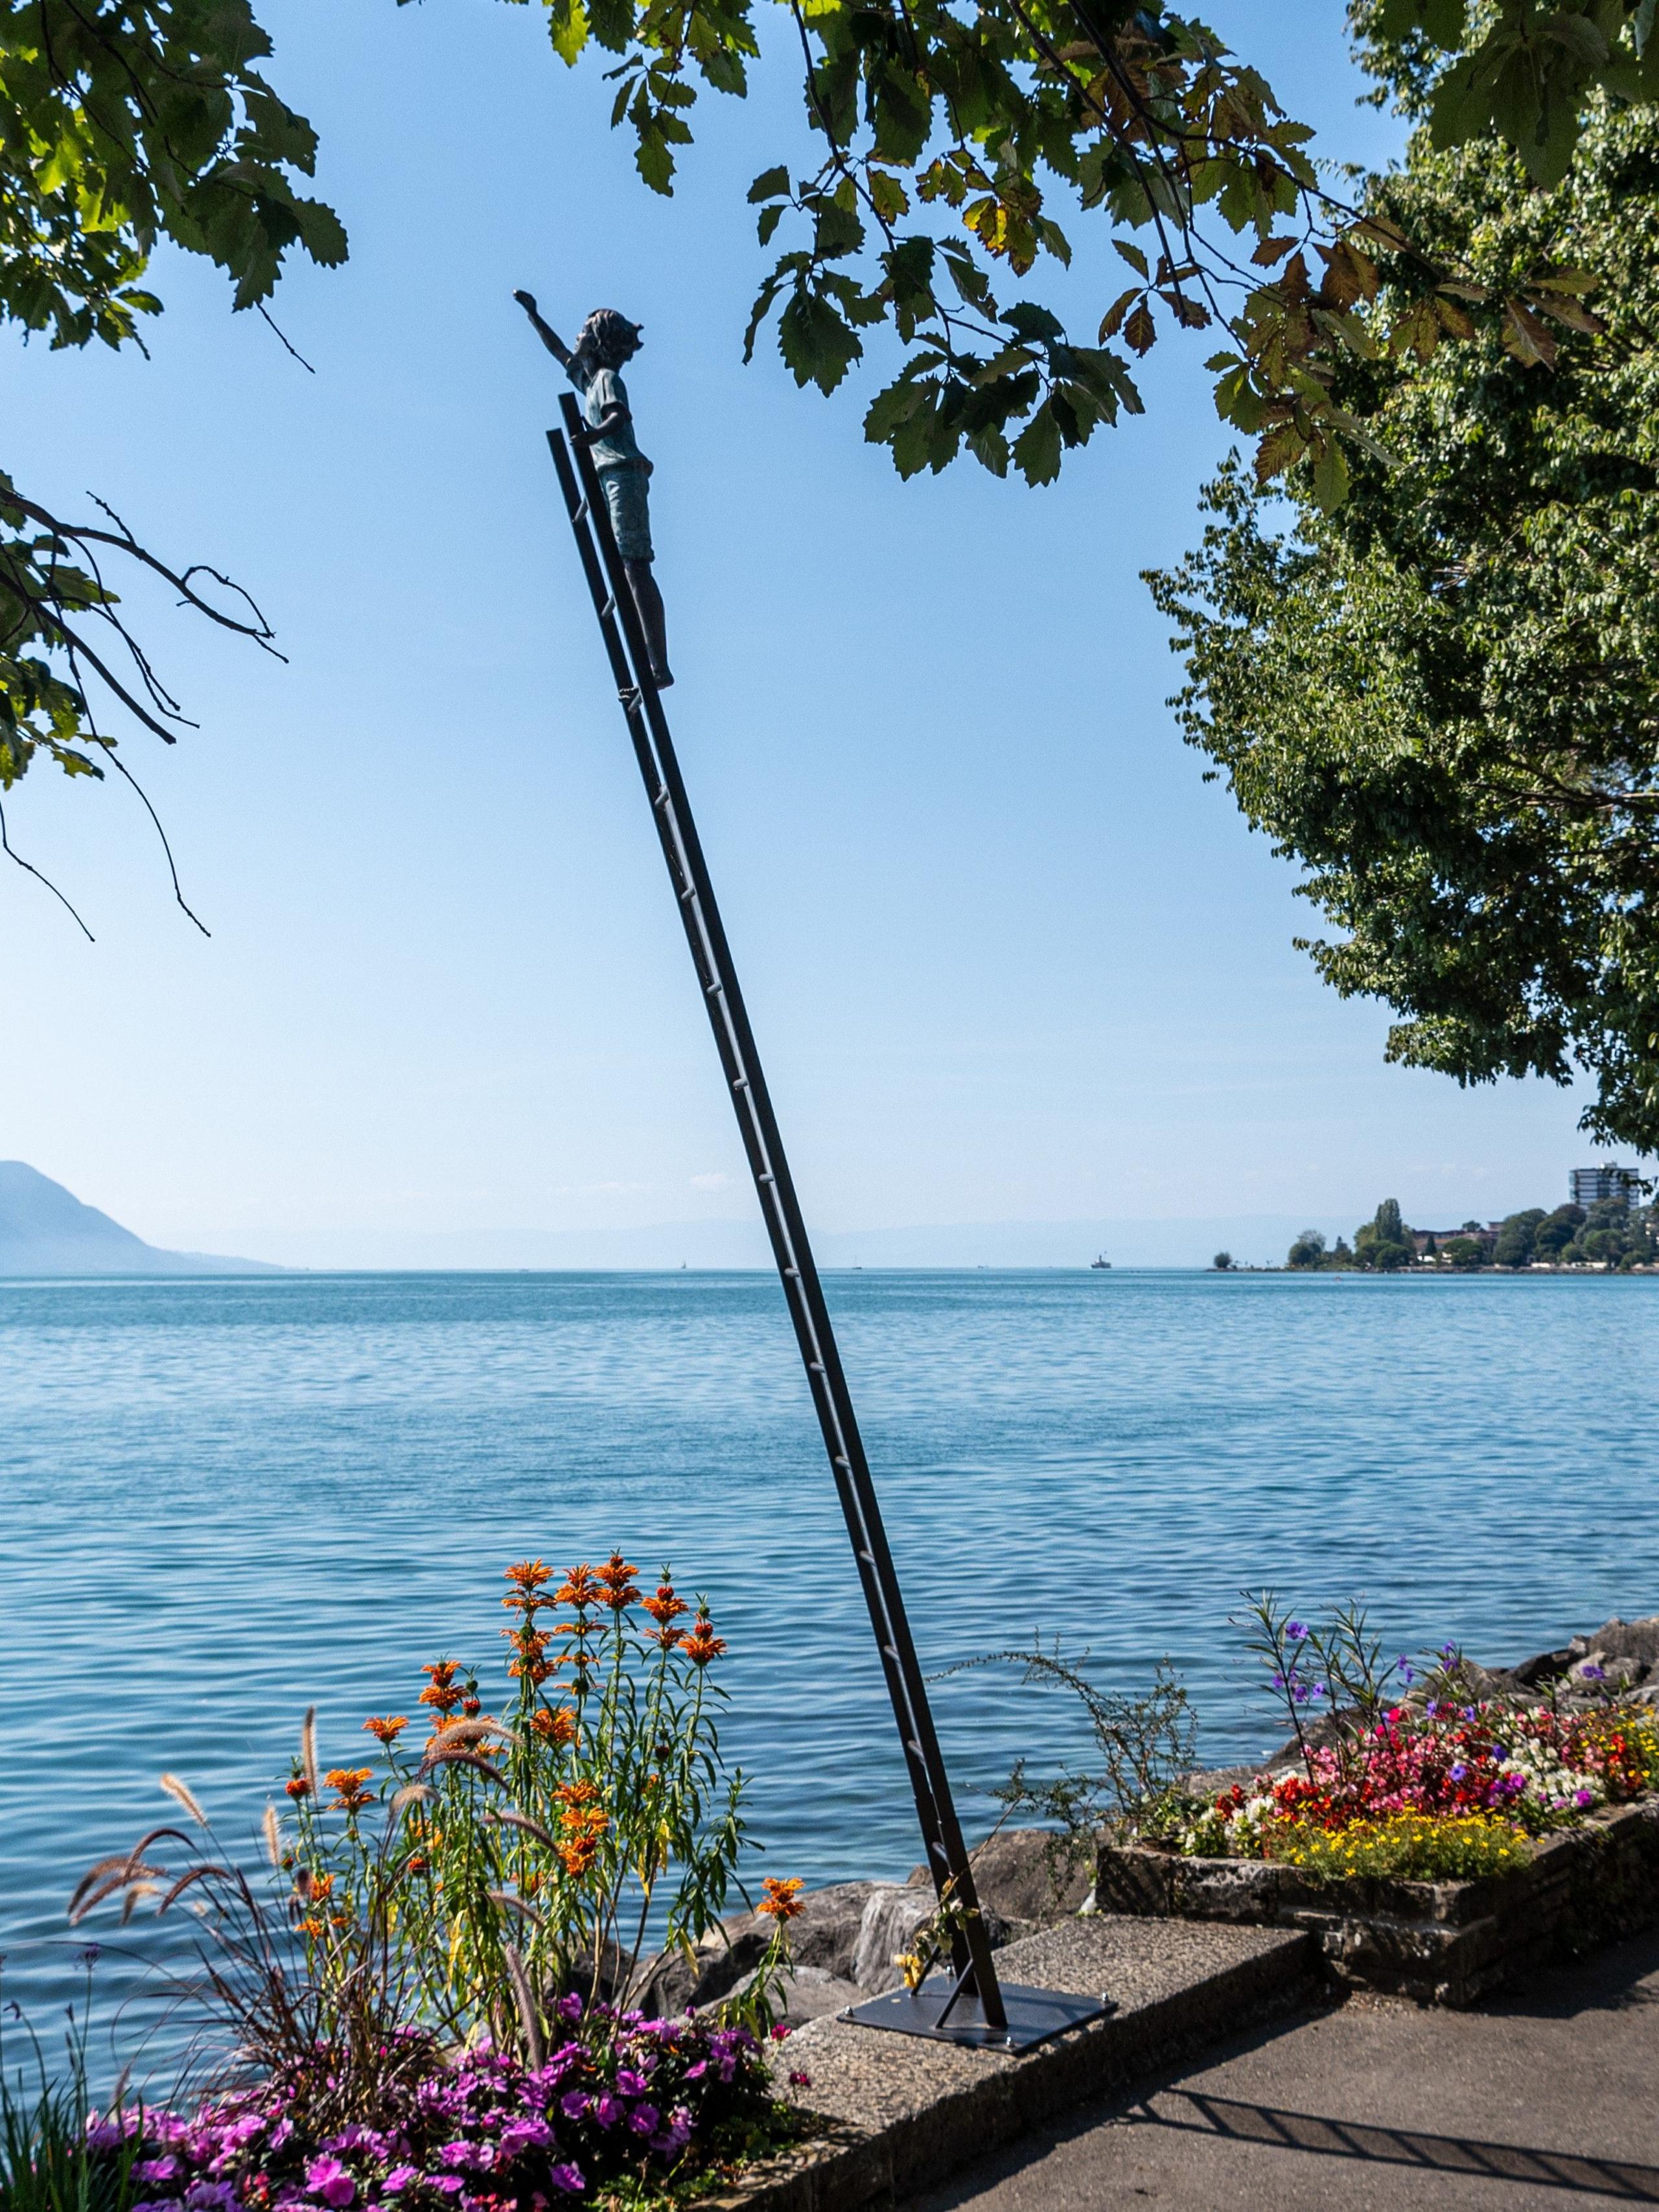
<point x="1101" y="1261"/>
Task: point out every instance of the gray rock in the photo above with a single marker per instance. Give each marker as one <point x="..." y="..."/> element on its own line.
<point x="1022" y="1874"/>
<point x="891" y="1916"/>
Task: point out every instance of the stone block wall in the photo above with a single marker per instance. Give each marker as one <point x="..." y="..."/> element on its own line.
<point x="1445" y="1943"/>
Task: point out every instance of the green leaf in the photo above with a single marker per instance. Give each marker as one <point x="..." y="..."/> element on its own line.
<point x="770" y="184"/>
<point x="1037" y="448"/>
<point x="1330" y="476"/>
<point x="1133" y="256"/>
<point x="817" y="345"/>
<point x="566" y="22"/>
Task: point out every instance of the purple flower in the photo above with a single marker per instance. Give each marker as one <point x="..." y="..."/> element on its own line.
<point x="1407" y="1672"/>
<point x="210" y="2197"/>
<point x="575" y="2105"/>
<point x="569" y="2008"/>
<point x="1458" y="1771"/>
<point x="607" y="2109"/>
<point x="399" y="2178"/>
<point x="1583" y="1797"/>
<point x="568" y="2177"/>
<point x="645" y="2119"/>
<point x="1296" y="1631"/>
<point x="156" y="2169"/>
<point x="448" y="2184"/>
<point x="521" y="2135"/>
<point x="1278" y="1681"/>
<point x="89" y="1957"/>
<point x="630" y="2083"/>
<point x="101" y="2135"/>
<point x="327" y="2178"/>
<point x="1593" y="1674"/>
<point x="457" y="2156"/>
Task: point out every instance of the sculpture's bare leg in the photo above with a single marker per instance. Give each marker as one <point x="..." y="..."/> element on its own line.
<point x="653" y="620"/>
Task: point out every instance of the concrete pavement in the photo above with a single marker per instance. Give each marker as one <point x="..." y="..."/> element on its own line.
<point x="1544" y="2099"/>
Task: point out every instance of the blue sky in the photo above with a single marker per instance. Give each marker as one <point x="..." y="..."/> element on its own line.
<point x="1009" y="957"/>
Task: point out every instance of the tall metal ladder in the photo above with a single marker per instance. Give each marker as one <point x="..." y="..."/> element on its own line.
<point x="971" y="2008"/>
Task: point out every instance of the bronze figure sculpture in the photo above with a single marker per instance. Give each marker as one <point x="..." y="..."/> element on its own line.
<point x="593" y="365"/>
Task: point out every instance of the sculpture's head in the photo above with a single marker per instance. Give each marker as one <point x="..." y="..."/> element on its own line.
<point x="610" y="338"/>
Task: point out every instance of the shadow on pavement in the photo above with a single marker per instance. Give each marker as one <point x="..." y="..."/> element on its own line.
<point x="1608" y="1982"/>
<point x="1194" y="2112"/>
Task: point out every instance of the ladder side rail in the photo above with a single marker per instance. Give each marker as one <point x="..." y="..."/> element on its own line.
<point x="946" y="1853"/>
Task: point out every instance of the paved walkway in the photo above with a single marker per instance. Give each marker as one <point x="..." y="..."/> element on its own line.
<point x="1546" y="2099"/>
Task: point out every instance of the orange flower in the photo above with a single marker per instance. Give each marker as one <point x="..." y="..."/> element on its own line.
<point x="577" y="1796"/>
<point x="298" y="1788"/>
<point x="349" y="1781"/>
<point x="557" y="1728"/>
<point x="703" y="1644"/>
<point x="417" y="1864"/>
<point x="472" y="1707"/>
<point x="620" y="1589"/>
<point x="388" y="1731"/>
<point x="312" y="1928"/>
<point x="781" y="1901"/>
<point x="578" y="1589"/>
<point x="529" y="1574"/>
<point x="322" y="1885"/>
<point x="440" y="1691"/>
<point x="665" y="1609"/>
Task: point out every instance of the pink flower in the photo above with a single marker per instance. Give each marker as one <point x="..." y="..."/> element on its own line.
<point x="399" y="2178"/>
<point x="568" y="2176"/>
<point x="327" y="2178"/>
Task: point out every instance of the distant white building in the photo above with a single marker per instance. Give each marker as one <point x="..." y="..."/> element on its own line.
<point x="1591" y="1185"/>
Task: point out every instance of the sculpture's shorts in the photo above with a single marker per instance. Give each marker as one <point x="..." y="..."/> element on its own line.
<point x="628" y="497"/>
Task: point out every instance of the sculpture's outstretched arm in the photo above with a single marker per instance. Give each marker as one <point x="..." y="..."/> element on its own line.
<point x="549" y="337"/>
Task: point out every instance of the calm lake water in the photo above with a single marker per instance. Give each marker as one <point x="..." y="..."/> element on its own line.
<point x="225" y="1501"/>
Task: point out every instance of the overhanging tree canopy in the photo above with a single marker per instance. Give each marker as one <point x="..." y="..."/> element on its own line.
<point x="1442" y="699"/>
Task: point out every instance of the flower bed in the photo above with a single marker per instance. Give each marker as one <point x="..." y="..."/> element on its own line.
<point x="1434" y="1838"/>
<point x="602" y="2118"/>
<point x="429" y="1999"/>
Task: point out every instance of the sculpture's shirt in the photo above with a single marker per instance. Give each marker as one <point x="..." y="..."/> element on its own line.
<point x="602" y="390"/>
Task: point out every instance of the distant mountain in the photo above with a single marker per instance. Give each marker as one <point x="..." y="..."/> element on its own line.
<point x="46" y="1230"/>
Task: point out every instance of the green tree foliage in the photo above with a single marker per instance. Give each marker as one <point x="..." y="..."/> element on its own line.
<point x="1557" y="1231"/>
<point x="1384" y="1242"/>
<point x="951" y="141"/>
<point x="1516" y="1242"/>
<point x="1443" y="699"/>
<point x="1308" y="1251"/>
<point x="122" y="122"/>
